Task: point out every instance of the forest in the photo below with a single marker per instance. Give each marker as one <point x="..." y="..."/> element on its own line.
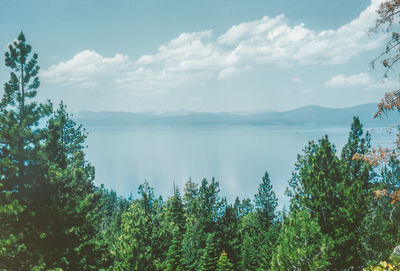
<point x="343" y="212"/>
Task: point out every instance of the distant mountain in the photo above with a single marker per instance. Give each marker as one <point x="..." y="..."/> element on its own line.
<point x="305" y="116"/>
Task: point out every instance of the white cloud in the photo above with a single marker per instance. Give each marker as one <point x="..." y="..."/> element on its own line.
<point x="84" y="68"/>
<point x="361" y="80"/>
<point x="260" y="42"/>
<point x="273" y="40"/>
<point x="192" y="57"/>
<point x="341" y="80"/>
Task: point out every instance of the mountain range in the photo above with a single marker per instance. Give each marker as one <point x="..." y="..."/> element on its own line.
<point x="305" y="116"/>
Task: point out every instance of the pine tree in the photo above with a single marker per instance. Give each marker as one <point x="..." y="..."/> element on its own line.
<point x="68" y="178"/>
<point x="358" y="188"/>
<point x="175" y="211"/>
<point x="20" y="144"/>
<point x="189" y="198"/>
<point x="265" y="205"/>
<point x="228" y="235"/>
<point x="266" y="202"/>
<point x="175" y="252"/>
<point x="133" y="246"/>
<point x="190" y="245"/>
<point x="242" y="208"/>
<point x="320" y="185"/>
<point x="252" y="237"/>
<point x="223" y="263"/>
<point x="191" y="239"/>
<point x="209" y="259"/>
<point x="176" y="227"/>
<point x="357" y="144"/>
<point x="302" y="245"/>
<point x="12" y="247"/>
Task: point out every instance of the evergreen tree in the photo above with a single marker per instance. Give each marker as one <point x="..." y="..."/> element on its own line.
<point x="223" y="263"/>
<point x="175" y="211"/>
<point x="209" y="259"/>
<point x="357" y="144"/>
<point x="190" y="197"/>
<point x="320" y="185"/>
<point x="45" y="175"/>
<point x="20" y="145"/>
<point x="302" y="245"/>
<point x="252" y="238"/>
<point x="133" y="247"/>
<point x="176" y="227"/>
<point x="358" y="189"/>
<point x="12" y="246"/>
<point x="191" y="248"/>
<point x="157" y="238"/>
<point x="266" y="202"/>
<point x="265" y="205"/>
<point x="106" y="217"/>
<point x="242" y="208"/>
<point x="228" y="238"/>
<point x="175" y="259"/>
<point x="68" y="178"/>
<point x="204" y="208"/>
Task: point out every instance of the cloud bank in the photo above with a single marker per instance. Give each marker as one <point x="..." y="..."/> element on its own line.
<point x="196" y="56"/>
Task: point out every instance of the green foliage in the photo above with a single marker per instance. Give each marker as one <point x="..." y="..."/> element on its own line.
<point x="333" y="190"/>
<point x="253" y="238"/>
<point x="133" y="246"/>
<point x="68" y="178"/>
<point x="11" y="242"/>
<point x="176" y="220"/>
<point x="175" y="252"/>
<point x="20" y="147"/>
<point x="209" y="259"/>
<point x="302" y="245"/>
<point x="47" y="194"/>
<point x="203" y="208"/>
<point x="382" y="223"/>
<point x="175" y="211"/>
<point x="190" y="244"/>
<point x="266" y="202"/>
<point x="223" y="263"/>
<point x="228" y="235"/>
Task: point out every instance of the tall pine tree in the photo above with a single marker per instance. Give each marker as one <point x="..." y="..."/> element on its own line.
<point x="20" y="144"/>
<point x="320" y="185"/>
<point x="266" y="202"/>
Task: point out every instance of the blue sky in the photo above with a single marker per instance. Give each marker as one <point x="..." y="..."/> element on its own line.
<point x="200" y="55"/>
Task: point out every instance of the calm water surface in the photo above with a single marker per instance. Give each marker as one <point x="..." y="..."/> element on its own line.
<point x="237" y="156"/>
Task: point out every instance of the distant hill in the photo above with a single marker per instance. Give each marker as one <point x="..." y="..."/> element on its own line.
<point x="304" y="116"/>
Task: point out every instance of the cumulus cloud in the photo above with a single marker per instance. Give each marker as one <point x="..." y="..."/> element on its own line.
<point x="341" y="80"/>
<point x="273" y="40"/>
<point x="84" y="68"/>
<point x="361" y="80"/>
<point x="196" y="56"/>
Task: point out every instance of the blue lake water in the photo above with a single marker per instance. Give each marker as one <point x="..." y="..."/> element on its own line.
<point x="237" y="156"/>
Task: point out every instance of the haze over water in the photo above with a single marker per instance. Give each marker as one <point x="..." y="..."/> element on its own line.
<point x="237" y="156"/>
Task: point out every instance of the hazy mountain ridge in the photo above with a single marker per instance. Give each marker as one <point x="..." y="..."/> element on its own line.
<point x="304" y="116"/>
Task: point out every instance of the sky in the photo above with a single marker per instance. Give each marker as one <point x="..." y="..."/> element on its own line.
<point x="209" y="55"/>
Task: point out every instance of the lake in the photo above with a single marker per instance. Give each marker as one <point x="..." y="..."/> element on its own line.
<point x="237" y="156"/>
